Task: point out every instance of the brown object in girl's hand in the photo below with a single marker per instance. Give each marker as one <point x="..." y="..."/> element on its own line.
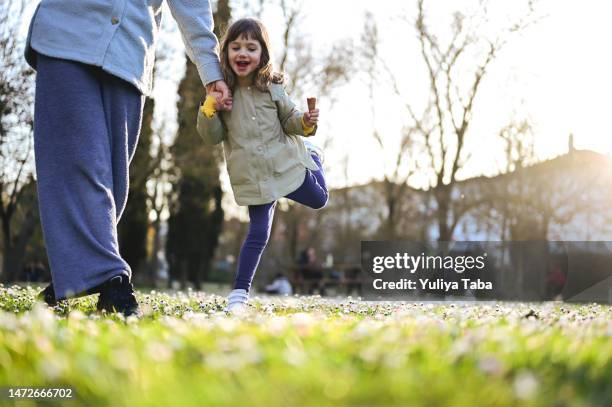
<point x="312" y="103"/>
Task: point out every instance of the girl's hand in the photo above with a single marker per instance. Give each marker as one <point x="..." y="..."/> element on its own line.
<point x="311" y="118"/>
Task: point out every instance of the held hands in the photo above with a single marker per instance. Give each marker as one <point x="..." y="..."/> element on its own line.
<point x="220" y="104"/>
<point x="311" y="117"/>
<point x="221" y="93"/>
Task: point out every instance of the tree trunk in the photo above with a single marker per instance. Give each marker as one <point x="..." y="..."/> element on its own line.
<point x="9" y="271"/>
<point x="155" y="263"/>
<point x="443" y="196"/>
<point x="389" y="233"/>
<point x="293" y="231"/>
<point x="15" y="248"/>
<point x="184" y="272"/>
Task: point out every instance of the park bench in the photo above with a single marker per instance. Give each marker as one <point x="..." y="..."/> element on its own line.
<point x="308" y="279"/>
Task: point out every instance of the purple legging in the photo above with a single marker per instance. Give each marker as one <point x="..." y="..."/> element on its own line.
<point x="312" y="193"/>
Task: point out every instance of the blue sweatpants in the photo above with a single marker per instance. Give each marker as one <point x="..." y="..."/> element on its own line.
<point x="86" y="126"/>
<point x="312" y="193"/>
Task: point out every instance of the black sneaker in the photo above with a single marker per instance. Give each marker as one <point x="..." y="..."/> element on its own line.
<point x="117" y="295"/>
<point x="48" y="296"/>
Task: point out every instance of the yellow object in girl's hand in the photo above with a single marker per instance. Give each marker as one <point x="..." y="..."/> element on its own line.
<point x="209" y="107"/>
<point x="308" y="130"/>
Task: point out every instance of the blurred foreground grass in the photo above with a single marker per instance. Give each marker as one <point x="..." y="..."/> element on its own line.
<point x="309" y="351"/>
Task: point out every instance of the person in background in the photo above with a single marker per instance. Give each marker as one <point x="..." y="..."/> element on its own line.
<point x="308" y="257"/>
<point x="280" y="285"/>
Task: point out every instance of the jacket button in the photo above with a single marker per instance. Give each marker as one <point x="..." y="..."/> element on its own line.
<point x="114" y="21"/>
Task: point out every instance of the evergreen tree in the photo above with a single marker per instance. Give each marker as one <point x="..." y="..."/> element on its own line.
<point x="196" y="215"/>
<point x="132" y="227"/>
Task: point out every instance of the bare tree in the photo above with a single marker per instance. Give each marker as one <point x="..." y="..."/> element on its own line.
<point x="530" y="198"/>
<point x="519" y="145"/>
<point x="402" y="167"/>
<point x="308" y="73"/>
<point x="442" y="126"/>
<point x="16" y="143"/>
<point x="519" y="153"/>
<point x="251" y="7"/>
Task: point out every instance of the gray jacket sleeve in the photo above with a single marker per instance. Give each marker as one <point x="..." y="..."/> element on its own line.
<point x="211" y="130"/>
<point x="289" y="115"/>
<point x="195" y="22"/>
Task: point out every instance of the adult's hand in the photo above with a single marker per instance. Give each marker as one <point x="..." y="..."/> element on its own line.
<point x="220" y="88"/>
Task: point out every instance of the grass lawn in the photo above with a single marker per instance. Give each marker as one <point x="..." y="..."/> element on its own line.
<point x="309" y="351"/>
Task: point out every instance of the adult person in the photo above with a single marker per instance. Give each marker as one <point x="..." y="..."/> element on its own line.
<point x="94" y="61"/>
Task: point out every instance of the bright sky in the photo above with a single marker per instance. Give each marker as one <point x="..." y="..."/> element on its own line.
<point x="557" y="73"/>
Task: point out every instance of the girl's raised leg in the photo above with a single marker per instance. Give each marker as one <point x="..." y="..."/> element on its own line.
<point x="313" y="191"/>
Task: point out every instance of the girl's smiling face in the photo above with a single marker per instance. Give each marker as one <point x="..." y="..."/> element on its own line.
<point x="244" y="55"/>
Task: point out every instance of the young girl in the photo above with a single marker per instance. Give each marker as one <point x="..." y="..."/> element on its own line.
<point x="260" y="128"/>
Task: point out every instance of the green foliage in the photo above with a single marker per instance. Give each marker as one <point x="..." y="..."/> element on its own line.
<point x="196" y="214"/>
<point x="310" y="351"/>
<point x="193" y="230"/>
<point x="22" y="226"/>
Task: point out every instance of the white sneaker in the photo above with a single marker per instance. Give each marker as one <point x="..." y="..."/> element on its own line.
<point x="237" y="301"/>
<point x="313" y="149"/>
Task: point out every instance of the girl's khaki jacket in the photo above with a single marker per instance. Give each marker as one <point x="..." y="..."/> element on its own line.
<point x="265" y="155"/>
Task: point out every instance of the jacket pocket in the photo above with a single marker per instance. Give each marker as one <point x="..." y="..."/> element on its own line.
<point x="285" y="160"/>
<point x="238" y="167"/>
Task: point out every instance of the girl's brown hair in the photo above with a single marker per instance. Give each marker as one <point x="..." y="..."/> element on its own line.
<point x="253" y="29"/>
